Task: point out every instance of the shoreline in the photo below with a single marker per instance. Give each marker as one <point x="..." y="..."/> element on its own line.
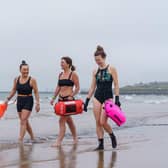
<point x="135" y="145"/>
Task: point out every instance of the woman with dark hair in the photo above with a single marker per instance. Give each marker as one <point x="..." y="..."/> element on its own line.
<point x="102" y="81"/>
<point x="23" y="85"/>
<point x="66" y="89"/>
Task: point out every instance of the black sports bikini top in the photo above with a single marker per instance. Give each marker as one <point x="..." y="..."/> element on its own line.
<point x="24" y="88"/>
<point x="65" y="82"/>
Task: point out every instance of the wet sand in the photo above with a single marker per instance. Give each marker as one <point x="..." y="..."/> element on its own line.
<point x="142" y="141"/>
<point x="138" y="147"/>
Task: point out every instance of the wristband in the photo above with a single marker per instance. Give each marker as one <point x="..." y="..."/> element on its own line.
<point x="54" y="97"/>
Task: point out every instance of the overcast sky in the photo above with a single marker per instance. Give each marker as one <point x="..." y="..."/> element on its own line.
<point x="133" y="33"/>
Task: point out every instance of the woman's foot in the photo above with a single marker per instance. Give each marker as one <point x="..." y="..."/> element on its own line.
<point x="34" y="141"/>
<point x="56" y="144"/>
<point x="99" y="148"/>
<point x="101" y="145"/>
<point x="32" y="138"/>
<point x="20" y="141"/>
<point x="75" y="139"/>
<point x="113" y="140"/>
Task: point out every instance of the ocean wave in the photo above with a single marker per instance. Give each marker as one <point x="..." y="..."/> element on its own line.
<point x="156" y="101"/>
<point x="128" y="97"/>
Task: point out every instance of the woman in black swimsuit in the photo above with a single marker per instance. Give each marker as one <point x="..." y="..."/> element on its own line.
<point x="24" y="84"/>
<point x="66" y="89"/>
<point x="102" y="81"/>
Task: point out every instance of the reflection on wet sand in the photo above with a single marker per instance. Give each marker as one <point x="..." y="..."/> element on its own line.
<point x="100" y="162"/>
<point x="25" y="160"/>
<point x="1" y="160"/>
<point x="67" y="159"/>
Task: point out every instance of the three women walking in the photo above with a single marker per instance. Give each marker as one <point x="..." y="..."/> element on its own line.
<point x="67" y="87"/>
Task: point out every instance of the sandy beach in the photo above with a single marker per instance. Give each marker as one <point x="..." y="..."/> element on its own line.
<point x="139" y="147"/>
<point x="142" y="141"/>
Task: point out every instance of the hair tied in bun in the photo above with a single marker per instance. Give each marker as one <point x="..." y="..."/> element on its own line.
<point x="100" y="51"/>
<point x="23" y="62"/>
<point x="99" y="48"/>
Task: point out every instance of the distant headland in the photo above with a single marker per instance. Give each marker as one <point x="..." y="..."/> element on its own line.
<point x="144" y="88"/>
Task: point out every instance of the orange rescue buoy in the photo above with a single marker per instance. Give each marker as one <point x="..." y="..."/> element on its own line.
<point x="3" y="108"/>
<point x="71" y="107"/>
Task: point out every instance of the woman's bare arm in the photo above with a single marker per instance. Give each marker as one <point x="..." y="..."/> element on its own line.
<point x="36" y="93"/>
<point x="13" y="91"/>
<point x="75" y="79"/>
<point x="115" y="78"/>
<point x="93" y="85"/>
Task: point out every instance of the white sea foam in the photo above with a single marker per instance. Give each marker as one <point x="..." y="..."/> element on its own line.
<point x="128" y="97"/>
<point x="156" y="101"/>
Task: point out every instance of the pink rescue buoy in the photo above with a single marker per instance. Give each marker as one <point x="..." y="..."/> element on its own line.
<point x="114" y="112"/>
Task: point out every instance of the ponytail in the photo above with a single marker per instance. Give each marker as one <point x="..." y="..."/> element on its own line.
<point x="73" y="68"/>
<point x="69" y="62"/>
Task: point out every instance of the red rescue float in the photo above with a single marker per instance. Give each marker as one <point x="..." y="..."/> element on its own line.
<point x="3" y="108"/>
<point x="71" y="107"/>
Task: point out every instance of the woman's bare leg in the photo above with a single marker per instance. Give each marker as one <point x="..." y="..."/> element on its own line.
<point x="23" y="123"/>
<point x="30" y="131"/>
<point x="72" y="129"/>
<point x="103" y="122"/>
<point x="29" y="128"/>
<point x="108" y="128"/>
<point x="62" y="129"/>
<point x="97" y="107"/>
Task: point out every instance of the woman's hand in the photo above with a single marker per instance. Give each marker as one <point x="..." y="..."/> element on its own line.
<point x="117" y="101"/>
<point x="37" y="108"/>
<point x="6" y="101"/>
<point x="52" y="102"/>
<point x="86" y="104"/>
